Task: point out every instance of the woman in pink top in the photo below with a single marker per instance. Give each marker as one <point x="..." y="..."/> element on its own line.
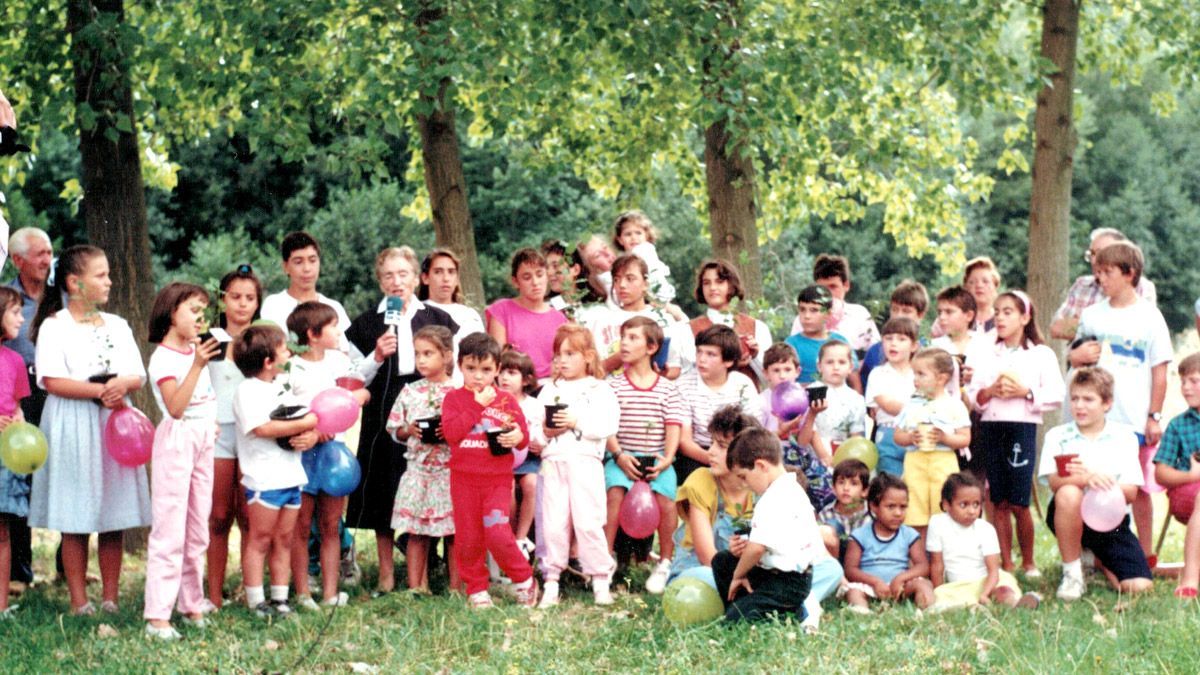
<point x="527" y="322"/>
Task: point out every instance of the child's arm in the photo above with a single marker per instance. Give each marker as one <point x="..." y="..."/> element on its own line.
<point x="854" y="571"/>
<point x="670" y="447"/>
<point x="904" y="436"/>
<point x="890" y="404"/>
<point x="749" y="559"/>
<point x="918" y="567"/>
<point x="1158" y="393"/>
<point x="177" y="395"/>
<point x="702" y="536"/>
<point x="460" y="413"/>
<point x="993" y="578"/>
<point x="304" y="429"/>
<point x="688" y="447"/>
<point x="1165" y="474"/>
<point x="961" y="437"/>
<point x="937" y="568"/>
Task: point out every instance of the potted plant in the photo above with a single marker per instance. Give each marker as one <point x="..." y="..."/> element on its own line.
<point x="551" y="410"/>
<point x="431" y="426"/>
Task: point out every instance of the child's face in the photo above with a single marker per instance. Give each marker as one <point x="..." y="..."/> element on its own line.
<point x="836" y="287"/>
<point x="1190" y="384"/>
<point x="966" y="506"/>
<point x="531" y="282"/>
<point x="634" y="347"/>
<point x="812" y="318"/>
<point x="12" y="321"/>
<point x="1010" y="319"/>
<point x="897" y="348"/>
<point x="848" y="490"/>
<point x="629" y="287"/>
<point x="556" y="272"/>
<point x="94" y="284"/>
<point x="511" y="380"/>
<point x="953" y="318"/>
<point x="276" y="364"/>
<point x="891" y="509"/>
<point x="714" y="289"/>
<point x="758" y="479"/>
<point x="430" y="360"/>
<point x="1087" y="408"/>
<point x="241" y="301"/>
<point x="710" y="364"/>
<point x="926" y="380"/>
<point x="328" y="337"/>
<point x="835" y="366"/>
<point x="1112" y="281"/>
<point x="303" y="268"/>
<point x="477" y="373"/>
<point x="632" y="234"/>
<point x="717" y="453"/>
<point x="572" y="362"/>
<point x="441" y="279"/>
<point x="908" y="311"/>
<point x="782" y="371"/>
<point x="188" y="318"/>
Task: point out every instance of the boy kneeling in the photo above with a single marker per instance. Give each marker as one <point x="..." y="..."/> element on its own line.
<point x="1177" y="468"/>
<point x="1094" y="454"/>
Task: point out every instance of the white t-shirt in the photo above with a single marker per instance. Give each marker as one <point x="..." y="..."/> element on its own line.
<point x="784" y="522"/>
<point x="278" y="306"/>
<point x="945" y="413"/>
<point x="225" y="378"/>
<point x="309" y="378"/>
<point x="885" y="381"/>
<point x="1114" y="452"/>
<point x="605" y="325"/>
<point x="264" y="465"/>
<point x="846" y="415"/>
<point x="467" y="318"/>
<point x="700" y="401"/>
<point x="169" y="364"/>
<point x="963" y="548"/>
<point x="1133" y="340"/>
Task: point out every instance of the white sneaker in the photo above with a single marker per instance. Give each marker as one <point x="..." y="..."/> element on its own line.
<point x="340" y="600"/>
<point x="166" y="633"/>
<point x="812" y="623"/>
<point x="480" y="600"/>
<point x="549" y="595"/>
<point x="601" y="593"/>
<point x="657" y="582"/>
<point x="306" y="603"/>
<point x="1072" y="588"/>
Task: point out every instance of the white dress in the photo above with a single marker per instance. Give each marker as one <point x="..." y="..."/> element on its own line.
<point x="81" y="489"/>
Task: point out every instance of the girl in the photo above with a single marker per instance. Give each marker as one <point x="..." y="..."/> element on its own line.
<point x="890" y="387"/>
<point x="572" y="473"/>
<point x="14" y="489"/>
<point x="422" y="505"/>
<point x="241" y="294"/>
<point x="718" y="284"/>
<point x="1014" y="384"/>
<point x="517" y="378"/>
<point x="633" y="233"/>
<point x="183" y="458"/>
<point x="630" y="288"/>
<point x="88" y="362"/>
<point x="440" y="288"/>
<point x="884" y="557"/>
<point x="527" y="322"/>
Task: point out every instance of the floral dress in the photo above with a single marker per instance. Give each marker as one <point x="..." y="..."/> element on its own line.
<point x="422" y="503"/>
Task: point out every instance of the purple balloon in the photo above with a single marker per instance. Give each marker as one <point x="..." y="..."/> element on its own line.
<point x="639" y="511"/>
<point x="129" y="436"/>
<point x="519" y="456"/>
<point x="336" y="410"/>
<point x="789" y="400"/>
<point x="1103" y="510"/>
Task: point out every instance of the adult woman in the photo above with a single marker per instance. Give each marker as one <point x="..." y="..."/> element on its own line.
<point x="717" y="284"/>
<point x="386" y="337"/>
<point x="631" y="283"/>
<point x="527" y="322"/>
<point x="440" y="288"/>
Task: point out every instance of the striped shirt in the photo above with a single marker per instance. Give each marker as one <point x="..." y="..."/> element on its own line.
<point x="646" y="413"/>
<point x="700" y="401"/>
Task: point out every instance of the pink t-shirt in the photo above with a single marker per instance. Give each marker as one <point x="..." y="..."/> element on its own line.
<point x="529" y="332"/>
<point x="14" y="383"/>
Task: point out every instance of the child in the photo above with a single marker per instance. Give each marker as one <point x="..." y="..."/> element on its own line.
<point x="849" y="510"/>
<point x="955" y="314"/>
<point x="937" y="427"/>
<point x="845" y="412"/>
<point x="813" y="305"/>
<point x="271" y="476"/>
<point x="769" y="571"/>
<point x="853" y="321"/>
<point x="718" y="287"/>
<point x="1176" y="466"/>
<point x="890" y="388"/>
<point x="1132" y="342"/>
<point x="884" y="558"/>
<point x="14" y="490"/>
<point x="302" y="264"/>
<point x="651" y="415"/>
<point x="803" y="448"/>
<point x="909" y="299"/>
<point x="1014" y="384"/>
<point x="572" y="473"/>
<point x="423" y="508"/>
<point x="317" y="368"/>
<point x="85" y="355"/>
<point x="527" y="322"/>
<point x="1093" y="453"/>
<point x="183" y="458"/>
<point x="518" y="378"/>
<point x="440" y="289"/>
<point x="634" y="233"/>
<point x="480" y="481"/>
<point x="964" y="554"/>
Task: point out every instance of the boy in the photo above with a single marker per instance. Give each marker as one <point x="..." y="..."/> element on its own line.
<point x="812" y="306"/>
<point x="849" y="511"/>
<point x="803" y="449"/>
<point x="890" y="388"/>
<point x="1176" y="467"/>
<point x="1100" y="453"/>
<point x="845" y="411"/>
<point x="909" y="299"/>
<point x="770" y="570"/>
<point x="853" y="321"/>
<point x="714" y="384"/>
<point x="956" y="314"/>
<point x="1127" y="336"/>
<point x="481" y="483"/>
<point x="302" y="264"/>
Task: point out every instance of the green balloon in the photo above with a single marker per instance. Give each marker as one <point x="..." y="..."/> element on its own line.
<point x="690" y="601"/>
<point x="22" y="448"/>
<point x="857" y="448"/>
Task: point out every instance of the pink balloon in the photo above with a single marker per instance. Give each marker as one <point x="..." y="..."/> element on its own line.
<point x="1182" y="500"/>
<point x="336" y="410"/>
<point x="129" y="437"/>
<point x="519" y="456"/>
<point x="1103" y="510"/>
<point x="789" y="400"/>
<point x="639" y="511"/>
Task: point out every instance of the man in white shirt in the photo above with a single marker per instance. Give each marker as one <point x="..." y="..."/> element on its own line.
<point x="302" y="264"/>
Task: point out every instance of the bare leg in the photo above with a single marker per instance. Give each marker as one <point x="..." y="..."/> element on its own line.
<point x="329" y="512"/>
<point x="1004" y="532"/>
<point x="111" y="553"/>
<point x="857" y="598"/>
<point x="1143" y="518"/>
<point x="666" y="526"/>
<point x="281" y="547"/>
<point x="220" y="521"/>
<point x="1025" y="536"/>
<point x="263" y="521"/>
<point x="456" y="584"/>
<point x="528" y="485"/>
<point x="416" y="558"/>
<point x="5" y="562"/>
<point x="615" y="495"/>
<point x="299" y="553"/>
<point x="74" y="555"/>
<point x="1191" y="551"/>
<point x="384" y="541"/>
<point x="1005" y="596"/>
<point x="1068" y="524"/>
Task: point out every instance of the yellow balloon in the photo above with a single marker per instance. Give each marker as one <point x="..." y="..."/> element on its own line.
<point x="22" y="448"/>
<point x="857" y="448"/>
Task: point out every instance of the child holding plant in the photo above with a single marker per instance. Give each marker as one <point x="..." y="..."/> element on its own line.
<point x="14" y="489"/>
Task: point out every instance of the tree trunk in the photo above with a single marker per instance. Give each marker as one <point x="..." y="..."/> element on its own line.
<point x="1053" y="163"/>
<point x="729" y="175"/>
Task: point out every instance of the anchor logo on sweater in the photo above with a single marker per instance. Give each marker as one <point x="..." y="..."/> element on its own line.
<point x="1016" y="451"/>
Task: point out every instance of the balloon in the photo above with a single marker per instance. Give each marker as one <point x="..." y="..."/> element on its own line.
<point x="1103" y="510"/>
<point x="789" y="400"/>
<point x="639" y="511"/>
<point x="336" y="410"/>
<point x="519" y="456"/>
<point x="338" y="469"/>
<point x="1182" y="499"/>
<point x="129" y="436"/>
<point x="690" y="601"/>
<point x="22" y="448"/>
<point x="701" y="573"/>
<point x="857" y="448"/>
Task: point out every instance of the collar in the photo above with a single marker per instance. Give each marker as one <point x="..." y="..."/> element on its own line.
<point x="719" y="317"/>
<point x="411" y="306"/>
<point x="20" y="287"/>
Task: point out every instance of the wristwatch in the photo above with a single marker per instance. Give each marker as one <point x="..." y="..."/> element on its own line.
<point x="1029" y="396"/>
<point x="1156" y="416"/>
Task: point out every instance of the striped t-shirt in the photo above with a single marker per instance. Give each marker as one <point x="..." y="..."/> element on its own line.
<point x="646" y="413"/>
<point x="701" y="401"/>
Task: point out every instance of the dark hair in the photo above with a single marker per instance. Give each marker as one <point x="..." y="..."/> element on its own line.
<point x="751" y="445"/>
<point x="650" y="328"/>
<point x="527" y="256"/>
<point x="815" y="295"/>
<point x="723" y="338"/>
<point x="725" y="272"/>
<point x="166" y="302"/>
<point x="479" y="346"/>
<point x="852" y="468"/>
<point x="310" y="316"/>
<point x="901" y="325"/>
<point x="242" y="271"/>
<point x="443" y="339"/>
<point x="511" y="359"/>
<point x="959" y="297"/>
<point x="255" y="345"/>
<point x="1190" y="364"/>
<point x="911" y="294"/>
<point x="940" y="359"/>
<point x="883" y="482"/>
<point x="553" y="247"/>
<point x="1125" y="256"/>
<point x="957" y="481"/>
<point x="295" y="241"/>
<point x="1098" y="379"/>
<point x="826" y="266"/>
<point x="833" y="344"/>
<point x="9" y="297"/>
<point x="633" y="216"/>
<point x="778" y="353"/>
<point x="427" y="264"/>
<point x="74" y="261"/>
<point x="1032" y="334"/>
<point x="729" y="421"/>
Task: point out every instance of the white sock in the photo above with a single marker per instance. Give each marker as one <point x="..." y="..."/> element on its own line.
<point x="254" y="596"/>
<point x="279" y="593"/>
<point x="524" y="584"/>
<point x="1073" y="568"/>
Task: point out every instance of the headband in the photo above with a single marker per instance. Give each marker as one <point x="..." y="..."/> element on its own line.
<point x="1028" y="304"/>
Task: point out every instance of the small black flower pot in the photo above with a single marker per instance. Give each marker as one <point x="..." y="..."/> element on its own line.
<point x="287" y="413"/>
<point x="102" y="378"/>
<point x="220" y="355"/>
<point x="429" y="427"/>
<point x="493" y="438"/>
<point x="550" y="410"/>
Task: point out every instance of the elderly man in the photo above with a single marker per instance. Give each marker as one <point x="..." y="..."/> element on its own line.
<point x="1086" y="290"/>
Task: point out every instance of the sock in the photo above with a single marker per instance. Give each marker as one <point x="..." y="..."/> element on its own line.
<point x="279" y="593"/>
<point x="1073" y="568"/>
<point x="480" y="595"/>
<point x="524" y="584"/>
<point x="254" y="596"/>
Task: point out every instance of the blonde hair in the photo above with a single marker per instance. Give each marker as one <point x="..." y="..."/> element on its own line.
<point x="633" y="217"/>
<point x="982" y="262"/>
<point x="393" y="252"/>
<point x="580" y="338"/>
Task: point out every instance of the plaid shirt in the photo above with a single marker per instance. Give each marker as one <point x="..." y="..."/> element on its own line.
<point x="1086" y="292"/>
<point x="1179" y="441"/>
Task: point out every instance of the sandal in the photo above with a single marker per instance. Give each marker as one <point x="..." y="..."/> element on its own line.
<point x="86" y="609"/>
<point x="1185" y="592"/>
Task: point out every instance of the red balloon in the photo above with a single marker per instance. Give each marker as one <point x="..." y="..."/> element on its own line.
<point x="129" y="436"/>
<point x="639" y="511"/>
<point x="789" y="400"/>
<point x="336" y="410"/>
<point x="1182" y="500"/>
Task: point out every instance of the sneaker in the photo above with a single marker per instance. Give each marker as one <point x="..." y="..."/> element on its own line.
<point x="657" y="582"/>
<point x="812" y="623"/>
<point x="263" y="610"/>
<point x="549" y="595"/>
<point x="601" y="593"/>
<point x="282" y="609"/>
<point x="351" y="572"/>
<point x="1030" y="600"/>
<point x="167" y="633"/>
<point x="340" y="600"/>
<point x="858" y="609"/>
<point x="11" y="611"/>
<point x="200" y="623"/>
<point x="1072" y="588"/>
<point x="480" y="600"/>
<point x="527" y="597"/>
<point x="1032" y="573"/>
<point x="207" y="607"/>
<point x="306" y="603"/>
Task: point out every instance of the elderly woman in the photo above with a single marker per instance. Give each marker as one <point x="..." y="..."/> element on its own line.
<point x="386" y="338"/>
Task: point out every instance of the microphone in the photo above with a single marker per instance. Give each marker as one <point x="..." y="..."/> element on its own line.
<point x="393" y="314"/>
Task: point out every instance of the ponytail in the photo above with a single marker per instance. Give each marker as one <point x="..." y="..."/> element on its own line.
<point x="72" y="261"/>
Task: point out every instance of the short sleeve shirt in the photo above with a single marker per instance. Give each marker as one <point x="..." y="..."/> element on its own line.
<point x="1114" y="452"/>
<point x="264" y="465"/>
<point x="963" y="549"/>
<point x="784" y="522"/>
<point x="170" y="364"/>
<point x="1179" y="441"/>
<point x="699" y="491"/>
<point x="701" y="401"/>
<point x="886" y="381"/>
<point x="14" y="383"/>
<point x="1133" y="340"/>
<point x="646" y="413"/>
<point x="884" y="558"/>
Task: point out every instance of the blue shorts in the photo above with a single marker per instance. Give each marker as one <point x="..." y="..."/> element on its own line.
<point x="532" y="464"/>
<point x="891" y="456"/>
<point x="285" y="498"/>
<point x="663" y="484"/>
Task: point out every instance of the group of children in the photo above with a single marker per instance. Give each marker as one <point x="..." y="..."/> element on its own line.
<point x="573" y="408"/>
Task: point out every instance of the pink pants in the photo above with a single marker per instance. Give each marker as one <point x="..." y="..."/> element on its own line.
<point x="573" y="499"/>
<point x="181" y="480"/>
